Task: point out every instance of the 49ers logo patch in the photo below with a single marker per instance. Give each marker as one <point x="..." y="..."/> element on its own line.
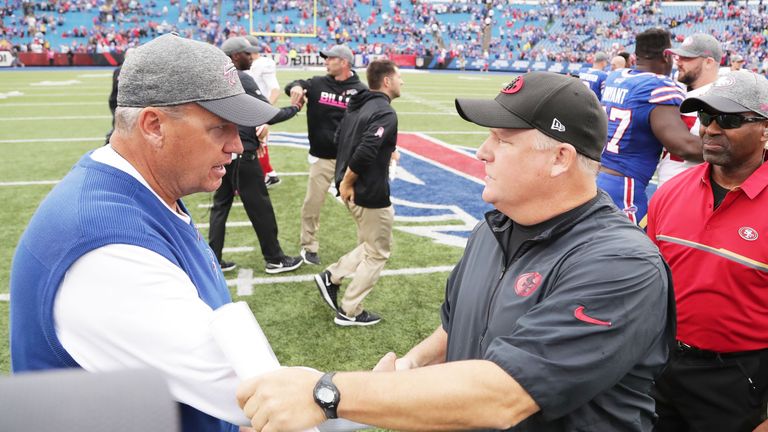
<point x="527" y="283"/>
<point x="748" y="233"/>
<point x="514" y="86"/>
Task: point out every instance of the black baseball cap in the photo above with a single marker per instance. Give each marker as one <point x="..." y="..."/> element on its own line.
<point x="558" y="106"/>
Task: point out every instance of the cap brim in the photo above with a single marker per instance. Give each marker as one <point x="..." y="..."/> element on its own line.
<point x="242" y="109"/>
<point x="249" y="50"/>
<point x="680" y="52"/>
<point x="712" y="103"/>
<point x="489" y="113"/>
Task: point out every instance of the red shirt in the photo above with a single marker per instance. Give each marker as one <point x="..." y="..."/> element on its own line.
<point x="719" y="258"/>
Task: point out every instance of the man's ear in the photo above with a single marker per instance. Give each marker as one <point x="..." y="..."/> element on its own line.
<point x="564" y="158"/>
<point x="150" y="125"/>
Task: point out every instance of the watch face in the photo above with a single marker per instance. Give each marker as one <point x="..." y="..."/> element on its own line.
<point x="325" y="395"/>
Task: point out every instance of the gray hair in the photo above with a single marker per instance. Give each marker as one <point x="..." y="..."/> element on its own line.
<point x="126" y="117"/>
<point x="587" y="165"/>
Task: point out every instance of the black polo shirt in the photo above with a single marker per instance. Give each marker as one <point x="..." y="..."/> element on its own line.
<point x="581" y="317"/>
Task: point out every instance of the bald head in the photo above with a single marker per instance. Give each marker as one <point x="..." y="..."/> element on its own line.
<point x="618" y="62"/>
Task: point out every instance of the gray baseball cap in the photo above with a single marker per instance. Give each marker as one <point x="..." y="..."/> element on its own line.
<point x="737" y="59"/>
<point x="600" y="56"/>
<point x="254" y="41"/>
<point x="699" y="45"/>
<point x="171" y="70"/>
<point x="558" y="106"/>
<point x="237" y="44"/>
<point x="341" y="51"/>
<point x="735" y="92"/>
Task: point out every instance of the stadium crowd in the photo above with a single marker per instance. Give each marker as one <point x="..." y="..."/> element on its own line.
<point x="551" y="31"/>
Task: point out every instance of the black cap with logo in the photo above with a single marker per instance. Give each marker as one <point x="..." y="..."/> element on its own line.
<point x="558" y="106"/>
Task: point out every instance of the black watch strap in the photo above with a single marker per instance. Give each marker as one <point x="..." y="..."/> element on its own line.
<point x="327" y="395"/>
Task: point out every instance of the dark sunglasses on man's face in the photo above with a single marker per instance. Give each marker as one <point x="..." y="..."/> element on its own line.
<point x="727" y="121"/>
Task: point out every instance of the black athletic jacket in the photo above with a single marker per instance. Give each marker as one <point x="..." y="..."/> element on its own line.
<point x="326" y="103"/>
<point x="366" y="138"/>
<point x="248" y="134"/>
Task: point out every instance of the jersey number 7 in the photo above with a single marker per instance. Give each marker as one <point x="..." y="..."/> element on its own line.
<point x="624" y="117"/>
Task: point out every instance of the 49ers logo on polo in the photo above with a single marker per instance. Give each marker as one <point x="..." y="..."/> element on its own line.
<point x="527" y="283"/>
<point x="748" y="233"/>
<point x="514" y="86"/>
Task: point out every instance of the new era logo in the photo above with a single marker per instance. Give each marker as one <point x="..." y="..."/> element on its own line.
<point x="556" y="125"/>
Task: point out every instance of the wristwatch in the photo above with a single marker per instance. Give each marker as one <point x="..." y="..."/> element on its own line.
<point x="327" y="395"/>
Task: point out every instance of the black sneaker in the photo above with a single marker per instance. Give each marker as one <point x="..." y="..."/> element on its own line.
<point x="364" y="319"/>
<point x="272" y="181"/>
<point x="328" y="290"/>
<point x="285" y="264"/>
<point x="310" y="257"/>
<point x="227" y="265"/>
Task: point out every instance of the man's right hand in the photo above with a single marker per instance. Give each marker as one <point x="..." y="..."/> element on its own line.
<point x="297" y="96"/>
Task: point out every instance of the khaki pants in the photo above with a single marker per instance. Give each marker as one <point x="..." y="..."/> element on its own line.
<point x="374" y="241"/>
<point x="321" y="175"/>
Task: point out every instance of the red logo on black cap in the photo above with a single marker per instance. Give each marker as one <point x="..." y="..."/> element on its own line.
<point x="527" y="283"/>
<point x="514" y="86"/>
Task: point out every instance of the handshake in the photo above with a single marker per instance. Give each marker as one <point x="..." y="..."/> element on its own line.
<point x="298" y="97"/>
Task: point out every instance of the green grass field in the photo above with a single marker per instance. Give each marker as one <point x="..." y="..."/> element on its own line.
<point x="44" y="130"/>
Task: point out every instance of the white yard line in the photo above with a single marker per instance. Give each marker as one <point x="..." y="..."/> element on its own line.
<point x="99" y="117"/>
<point x="242" y="282"/>
<point x="48" y="104"/>
<point x="50" y="140"/>
<point x="29" y="183"/>
<point x="64" y="95"/>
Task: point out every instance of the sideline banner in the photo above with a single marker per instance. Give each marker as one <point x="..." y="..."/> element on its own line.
<point x="304" y="60"/>
<point x="6" y="59"/>
<point x="519" y="66"/>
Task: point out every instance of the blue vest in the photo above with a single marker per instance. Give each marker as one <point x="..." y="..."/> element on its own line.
<point x="93" y="206"/>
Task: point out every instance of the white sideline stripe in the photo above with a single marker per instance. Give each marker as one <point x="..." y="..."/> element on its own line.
<point x="48" y="104"/>
<point x="244" y="287"/>
<point x="308" y="278"/>
<point x="29" y="183"/>
<point x="101" y="117"/>
<point x="245" y="280"/>
<point x="73" y="94"/>
<point x="241" y="249"/>
<point x="46" y="140"/>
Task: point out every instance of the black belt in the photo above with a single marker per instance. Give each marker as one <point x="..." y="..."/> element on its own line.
<point x="691" y="351"/>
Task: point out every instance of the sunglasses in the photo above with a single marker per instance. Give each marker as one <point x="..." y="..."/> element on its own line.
<point x="727" y="121"/>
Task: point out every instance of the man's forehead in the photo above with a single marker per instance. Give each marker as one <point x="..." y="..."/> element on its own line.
<point x="503" y="132"/>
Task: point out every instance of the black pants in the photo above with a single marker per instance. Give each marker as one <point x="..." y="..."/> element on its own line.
<point x="699" y="393"/>
<point x="245" y="175"/>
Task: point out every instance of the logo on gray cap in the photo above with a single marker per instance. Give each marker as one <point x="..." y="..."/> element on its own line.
<point x="736" y="92"/>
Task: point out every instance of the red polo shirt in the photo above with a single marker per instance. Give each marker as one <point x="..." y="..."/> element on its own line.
<point x="719" y="258"/>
